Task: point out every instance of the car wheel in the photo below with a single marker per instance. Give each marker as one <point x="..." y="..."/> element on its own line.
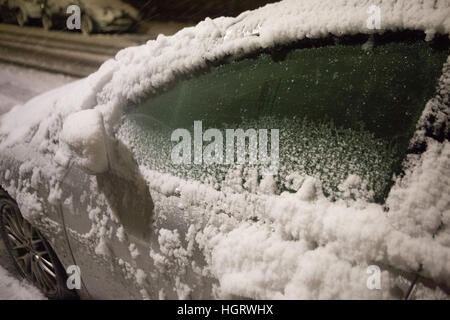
<point x="87" y="25"/>
<point x="21" y="17"/>
<point x="31" y="253"/>
<point x="46" y="22"/>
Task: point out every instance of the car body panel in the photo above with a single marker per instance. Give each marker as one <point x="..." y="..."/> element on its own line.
<point x="109" y="267"/>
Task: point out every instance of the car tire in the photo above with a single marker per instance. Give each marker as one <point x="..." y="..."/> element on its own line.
<point x="21" y="18"/>
<point x="47" y="22"/>
<point x="31" y="253"/>
<point x="87" y="25"/>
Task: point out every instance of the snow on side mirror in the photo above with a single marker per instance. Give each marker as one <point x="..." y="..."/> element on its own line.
<point x="84" y="134"/>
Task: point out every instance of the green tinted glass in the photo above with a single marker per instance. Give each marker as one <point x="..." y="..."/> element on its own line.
<point x="341" y="109"/>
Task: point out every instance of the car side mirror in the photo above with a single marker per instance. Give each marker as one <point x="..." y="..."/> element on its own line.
<point x="84" y="134"/>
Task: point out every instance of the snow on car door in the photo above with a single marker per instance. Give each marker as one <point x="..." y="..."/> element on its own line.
<point x="344" y="109"/>
<point x="97" y="210"/>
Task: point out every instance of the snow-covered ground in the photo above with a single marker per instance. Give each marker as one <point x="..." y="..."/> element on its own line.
<point x="14" y="289"/>
<point x="19" y="84"/>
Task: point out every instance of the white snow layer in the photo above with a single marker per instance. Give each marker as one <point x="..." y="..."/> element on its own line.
<point x="13" y="289"/>
<point x="84" y="134"/>
<point x="137" y="71"/>
<point x="18" y="84"/>
<point x="259" y="246"/>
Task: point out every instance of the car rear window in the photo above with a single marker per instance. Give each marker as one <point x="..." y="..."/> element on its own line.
<point x="344" y="109"/>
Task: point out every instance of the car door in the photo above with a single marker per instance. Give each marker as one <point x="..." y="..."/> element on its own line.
<point x="97" y="210"/>
<point x="345" y="110"/>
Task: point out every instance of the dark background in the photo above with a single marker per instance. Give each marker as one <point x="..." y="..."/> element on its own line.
<point x="193" y="10"/>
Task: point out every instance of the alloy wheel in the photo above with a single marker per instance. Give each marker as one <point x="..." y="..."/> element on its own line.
<point x="29" y="250"/>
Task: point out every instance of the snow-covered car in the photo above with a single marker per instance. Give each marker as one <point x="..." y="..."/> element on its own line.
<point x="107" y="15"/>
<point x="24" y="10"/>
<point x="133" y="177"/>
<point x="96" y="15"/>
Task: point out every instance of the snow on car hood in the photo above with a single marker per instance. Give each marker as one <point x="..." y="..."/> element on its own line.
<point x="304" y="247"/>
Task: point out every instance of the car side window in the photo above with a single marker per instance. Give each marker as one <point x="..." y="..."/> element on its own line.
<point x="345" y="112"/>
